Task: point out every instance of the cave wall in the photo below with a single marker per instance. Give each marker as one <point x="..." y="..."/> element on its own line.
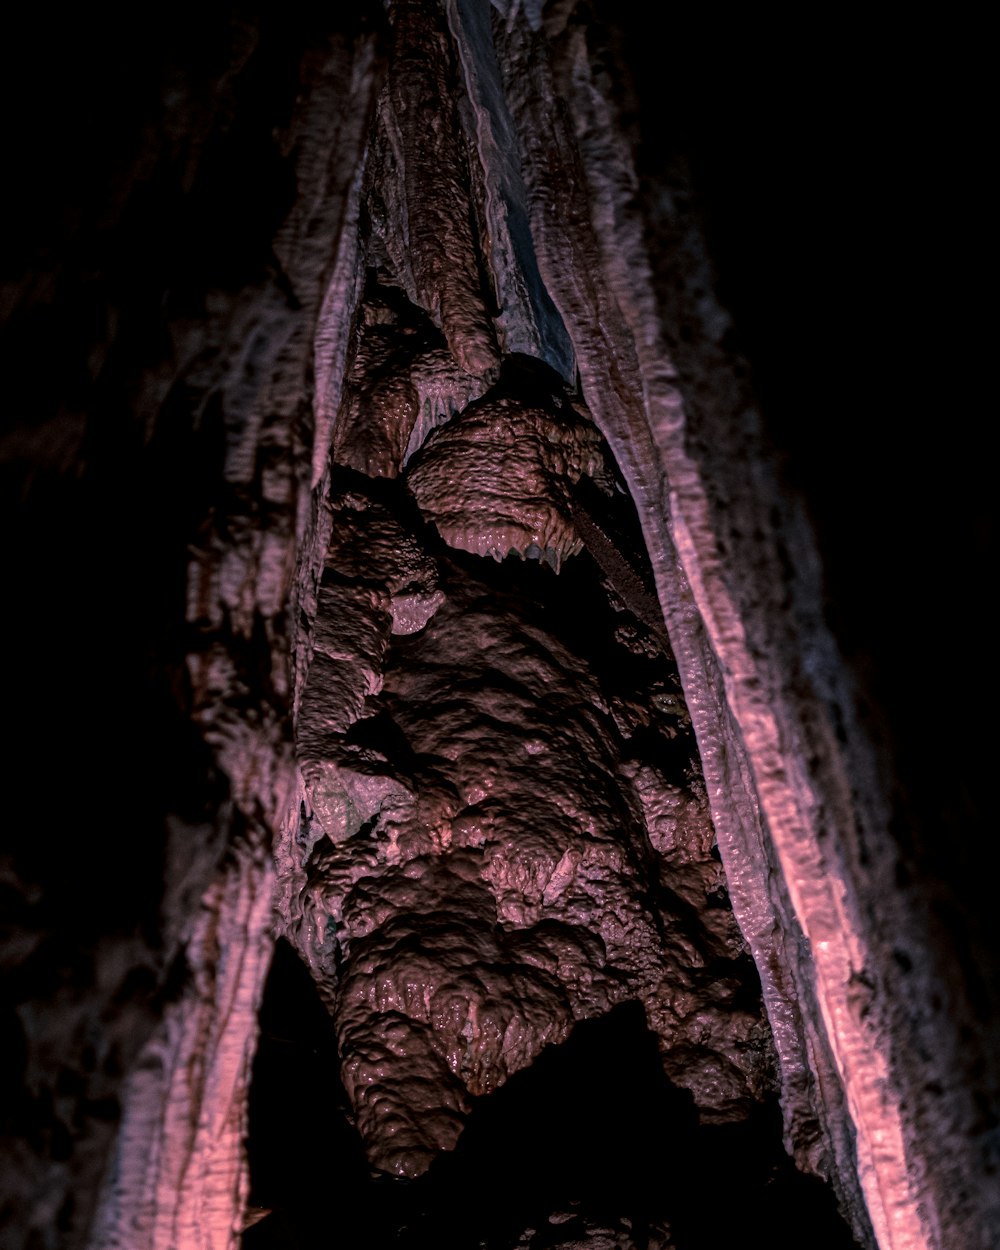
<point x="176" y="228"/>
<point x="180" y="299"/>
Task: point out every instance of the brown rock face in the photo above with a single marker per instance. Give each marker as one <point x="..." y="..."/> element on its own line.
<point x="507" y="830"/>
<point x="485" y="796"/>
<point x="404" y="597"/>
<point x="498" y="480"/>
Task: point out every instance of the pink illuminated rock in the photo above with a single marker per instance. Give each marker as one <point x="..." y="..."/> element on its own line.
<point x="402" y="382"/>
<point x="486" y="860"/>
<point x="179" y="1176"/>
<point x="425" y="187"/>
<point x="483" y="887"/>
<point x="497" y="479"/>
<point x="498" y="648"/>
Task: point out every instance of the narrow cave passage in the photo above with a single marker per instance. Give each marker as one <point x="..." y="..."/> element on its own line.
<point x="259" y="238"/>
<point x="523" y="960"/>
<point x="504" y="875"/>
<point x="592" y="1136"/>
<point x="507" y="829"/>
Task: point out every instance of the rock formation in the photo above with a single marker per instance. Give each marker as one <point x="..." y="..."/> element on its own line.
<point x="474" y="649"/>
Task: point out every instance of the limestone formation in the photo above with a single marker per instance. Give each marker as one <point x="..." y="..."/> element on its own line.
<point x="404" y="578"/>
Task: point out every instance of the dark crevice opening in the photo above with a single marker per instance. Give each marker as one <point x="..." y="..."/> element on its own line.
<point x="593" y="1131"/>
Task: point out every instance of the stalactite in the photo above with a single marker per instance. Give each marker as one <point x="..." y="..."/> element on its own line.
<point x="500" y="657"/>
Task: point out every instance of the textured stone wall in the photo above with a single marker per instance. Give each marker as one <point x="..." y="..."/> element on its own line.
<point x="178" y="214"/>
<point x="306" y="330"/>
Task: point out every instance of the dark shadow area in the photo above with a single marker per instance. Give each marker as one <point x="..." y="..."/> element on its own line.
<point x="306" y="1160"/>
<point x="851" y="301"/>
<point x="593" y="1130"/>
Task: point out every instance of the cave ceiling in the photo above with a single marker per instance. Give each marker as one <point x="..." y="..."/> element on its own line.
<point x="453" y="810"/>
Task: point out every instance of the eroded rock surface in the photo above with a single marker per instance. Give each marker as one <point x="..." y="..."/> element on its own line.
<point x="484" y="870"/>
<point x="506" y="830"/>
<point x="498" y="479"/>
<point x="507" y="827"/>
<point x="494" y="826"/>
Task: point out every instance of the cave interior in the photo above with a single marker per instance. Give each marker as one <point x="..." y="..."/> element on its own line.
<point x="382" y="865"/>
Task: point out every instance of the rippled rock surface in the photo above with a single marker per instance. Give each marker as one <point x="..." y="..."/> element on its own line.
<point x="508" y="830"/>
<point x="380" y="466"/>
